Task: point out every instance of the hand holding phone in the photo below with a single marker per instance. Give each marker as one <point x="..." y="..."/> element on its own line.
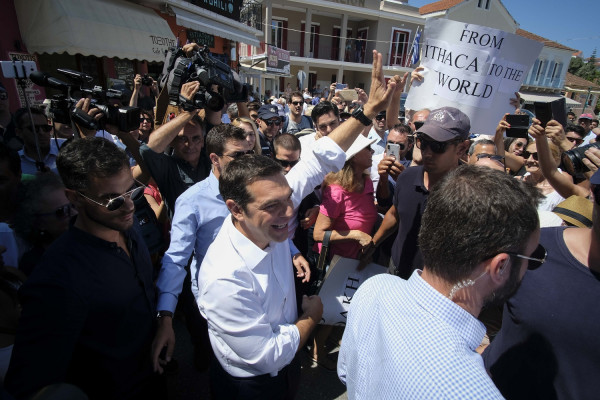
<point x="393" y="149"/>
<point x="519" y="124"/>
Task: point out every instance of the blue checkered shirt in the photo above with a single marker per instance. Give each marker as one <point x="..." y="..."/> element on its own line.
<point x="405" y="340"/>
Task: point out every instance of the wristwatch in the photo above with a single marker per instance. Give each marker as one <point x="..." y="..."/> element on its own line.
<point x="164" y="313"/>
<point x="359" y="115"/>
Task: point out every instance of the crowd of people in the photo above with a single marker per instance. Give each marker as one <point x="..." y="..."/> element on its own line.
<point x="491" y="244"/>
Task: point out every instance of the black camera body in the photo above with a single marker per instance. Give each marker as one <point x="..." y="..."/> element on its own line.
<point x="62" y="106"/>
<point x="147" y="80"/>
<point x="209" y="72"/>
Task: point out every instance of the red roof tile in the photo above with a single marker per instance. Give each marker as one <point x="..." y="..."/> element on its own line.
<point x="575" y="81"/>
<point x="547" y="42"/>
<point x="438" y="6"/>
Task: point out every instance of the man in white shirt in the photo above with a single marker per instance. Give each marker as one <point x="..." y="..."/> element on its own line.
<point x="246" y="288"/>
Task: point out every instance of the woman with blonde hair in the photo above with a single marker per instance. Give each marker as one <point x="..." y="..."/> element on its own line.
<point x="251" y="132"/>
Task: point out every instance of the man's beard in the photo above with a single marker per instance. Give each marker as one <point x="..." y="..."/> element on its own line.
<point x="501" y="295"/>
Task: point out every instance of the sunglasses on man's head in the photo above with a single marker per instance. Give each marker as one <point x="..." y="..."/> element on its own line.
<point x="435" y="146"/>
<point x="537" y="258"/>
<point x="61" y="212"/>
<point x="286" y="163"/>
<point x="115" y="203"/>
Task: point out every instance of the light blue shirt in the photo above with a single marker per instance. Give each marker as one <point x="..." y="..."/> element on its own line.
<point x="405" y="340"/>
<point x="379" y="146"/>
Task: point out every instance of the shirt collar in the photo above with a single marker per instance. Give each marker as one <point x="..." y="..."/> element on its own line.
<point x="444" y="309"/>
<point x="420" y="179"/>
<point x="250" y="253"/>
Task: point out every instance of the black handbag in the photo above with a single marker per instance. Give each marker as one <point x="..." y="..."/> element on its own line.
<point x="321" y="264"/>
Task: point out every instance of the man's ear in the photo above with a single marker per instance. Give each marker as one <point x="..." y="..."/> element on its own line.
<point x="214" y="159"/>
<point x="463" y="147"/>
<point x="235" y="209"/>
<point x="73" y="197"/>
<point x="499" y="268"/>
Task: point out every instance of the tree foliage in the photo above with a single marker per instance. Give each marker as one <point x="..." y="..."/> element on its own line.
<point x="585" y="69"/>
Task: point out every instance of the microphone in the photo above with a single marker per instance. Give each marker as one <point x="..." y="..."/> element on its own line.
<point x="43" y="79"/>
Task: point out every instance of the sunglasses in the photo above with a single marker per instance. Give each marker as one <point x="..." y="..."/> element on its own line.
<point x="116" y="203"/>
<point x="272" y="122"/>
<point x="380" y="117"/>
<point x="519" y="144"/>
<point x="61" y="212"/>
<point x="574" y="140"/>
<point x="184" y="139"/>
<point x="526" y="155"/>
<point x="491" y="157"/>
<point x="3" y="95"/>
<point x="537" y="258"/>
<point x="237" y="154"/>
<point x="142" y="119"/>
<point x="297" y="103"/>
<point x="418" y="124"/>
<point x="435" y="146"/>
<point x="286" y="163"/>
<point x="45" y="128"/>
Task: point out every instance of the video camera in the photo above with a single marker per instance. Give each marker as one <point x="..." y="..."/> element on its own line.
<point x="208" y="71"/>
<point x="62" y="106"/>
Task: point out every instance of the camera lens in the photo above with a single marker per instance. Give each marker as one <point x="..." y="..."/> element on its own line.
<point x="572" y="160"/>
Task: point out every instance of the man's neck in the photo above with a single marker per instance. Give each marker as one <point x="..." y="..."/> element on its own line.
<point x="32" y="153"/>
<point x="94" y="229"/>
<point x="470" y="303"/>
<point x="584" y="246"/>
<point x="297" y="118"/>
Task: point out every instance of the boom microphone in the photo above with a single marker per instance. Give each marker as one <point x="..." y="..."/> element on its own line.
<point x="46" y="80"/>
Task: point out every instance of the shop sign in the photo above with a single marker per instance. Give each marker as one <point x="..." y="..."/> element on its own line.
<point x="278" y="60"/>
<point x="226" y="8"/>
<point x="201" y="38"/>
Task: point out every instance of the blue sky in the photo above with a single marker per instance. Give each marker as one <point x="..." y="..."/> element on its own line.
<point x="573" y="23"/>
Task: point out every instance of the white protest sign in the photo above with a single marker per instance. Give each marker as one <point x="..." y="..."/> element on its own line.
<point x="341" y="282"/>
<point x="473" y="68"/>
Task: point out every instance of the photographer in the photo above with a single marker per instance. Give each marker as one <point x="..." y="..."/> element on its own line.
<point x="139" y="98"/>
<point x="188" y="163"/>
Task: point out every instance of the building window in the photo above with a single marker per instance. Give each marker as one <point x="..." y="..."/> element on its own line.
<point x="399" y="47"/>
<point x="539" y="71"/>
<point x="277" y="33"/>
<point x="485" y="4"/>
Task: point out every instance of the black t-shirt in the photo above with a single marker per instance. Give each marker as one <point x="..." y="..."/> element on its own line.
<point x="410" y="199"/>
<point x="548" y="345"/>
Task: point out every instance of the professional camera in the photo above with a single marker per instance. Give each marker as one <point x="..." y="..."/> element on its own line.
<point x="62" y="106"/>
<point x="147" y="80"/>
<point x="219" y="83"/>
<point x="572" y="160"/>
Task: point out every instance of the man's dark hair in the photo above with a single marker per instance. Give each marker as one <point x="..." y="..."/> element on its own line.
<point x="253" y="106"/>
<point x="219" y="135"/>
<point x="22" y="116"/>
<point x="286" y="141"/>
<point x="577" y="129"/>
<point x="571" y="113"/>
<point x="323" y="108"/>
<point x="481" y="142"/>
<point x="242" y="172"/>
<point x="297" y="94"/>
<point x="10" y="155"/>
<point x="82" y="159"/>
<point x="402" y="128"/>
<point x="473" y="214"/>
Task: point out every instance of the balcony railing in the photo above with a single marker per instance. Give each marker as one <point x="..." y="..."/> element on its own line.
<point x="251" y="14"/>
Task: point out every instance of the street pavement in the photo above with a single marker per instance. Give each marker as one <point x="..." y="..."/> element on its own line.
<point x="187" y="383"/>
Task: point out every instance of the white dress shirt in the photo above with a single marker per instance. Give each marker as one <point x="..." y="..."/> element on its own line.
<point x="247" y="294"/>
